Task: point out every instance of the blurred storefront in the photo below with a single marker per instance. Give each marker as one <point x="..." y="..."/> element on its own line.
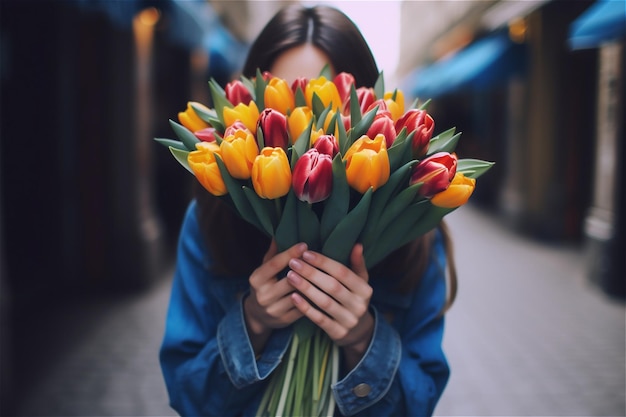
<point x="545" y="102"/>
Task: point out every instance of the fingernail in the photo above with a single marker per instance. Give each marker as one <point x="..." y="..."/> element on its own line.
<point x="293" y="278"/>
<point x="308" y="256"/>
<point x="295" y="264"/>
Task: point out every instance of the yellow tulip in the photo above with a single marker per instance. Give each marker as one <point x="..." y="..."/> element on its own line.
<point x="367" y="163"/>
<point x="315" y="134"/>
<point x="457" y="194"/>
<point x="238" y="151"/>
<point x="326" y="90"/>
<point x="271" y="173"/>
<point x="247" y="114"/>
<point x="279" y="96"/>
<point x="202" y="163"/>
<point x="298" y="121"/>
<point x="190" y="119"/>
<point x="396" y="107"/>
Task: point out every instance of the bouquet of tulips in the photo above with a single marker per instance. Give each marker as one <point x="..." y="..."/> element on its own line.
<point x="323" y="162"/>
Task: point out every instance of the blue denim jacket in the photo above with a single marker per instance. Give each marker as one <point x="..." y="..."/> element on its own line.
<point x="210" y="368"/>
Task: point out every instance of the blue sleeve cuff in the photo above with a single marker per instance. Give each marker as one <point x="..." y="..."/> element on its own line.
<point x="357" y="391"/>
<point x="236" y="350"/>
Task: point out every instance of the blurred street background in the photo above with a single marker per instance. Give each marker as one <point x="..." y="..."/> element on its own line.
<point x="91" y="205"/>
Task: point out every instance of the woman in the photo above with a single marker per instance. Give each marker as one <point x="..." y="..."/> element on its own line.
<point x="230" y="315"/>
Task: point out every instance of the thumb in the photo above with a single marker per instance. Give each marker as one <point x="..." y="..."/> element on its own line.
<point x="357" y="262"/>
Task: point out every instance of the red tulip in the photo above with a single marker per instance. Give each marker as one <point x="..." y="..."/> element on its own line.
<point x="366" y="98"/>
<point x="312" y="178"/>
<point x="383" y="125"/>
<point x="422" y="124"/>
<point x="236" y="92"/>
<point x="435" y="172"/>
<point x="299" y="82"/>
<point x="344" y="81"/>
<point x="273" y="124"/>
<point x="327" y="144"/>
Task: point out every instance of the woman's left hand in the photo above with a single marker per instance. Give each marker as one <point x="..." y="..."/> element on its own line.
<point x="339" y="299"/>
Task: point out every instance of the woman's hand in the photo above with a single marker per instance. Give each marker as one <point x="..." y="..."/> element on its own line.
<point x="338" y="299"/>
<point x="269" y="305"/>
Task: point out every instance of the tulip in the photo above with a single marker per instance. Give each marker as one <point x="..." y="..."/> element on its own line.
<point x="367" y="163"/>
<point x="300" y="82"/>
<point x="238" y="152"/>
<point x="422" y="124"/>
<point x="247" y="114"/>
<point x="190" y="119"/>
<point x="313" y="176"/>
<point x="206" y="135"/>
<point x="315" y="135"/>
<point x="344" y="82"/>
<point x="383" y="107"/>
<point x="238" y="125"/>
<point x="383" y="125"/>
<point x="395" y="105"/>
<point x="326" y="90"/>
<point x="278" y="95"/>
<point x="457" y="194"/>
<point x="327" y="144"/>
<point x="236" y="93"/>
<point x="273" y="124"/>
<point x="435" y="173"/>
<point x="202" y="163"/>
<point x="298" y="121"/>
<point x="271" y="173"/>
<point x="365" y="96"/>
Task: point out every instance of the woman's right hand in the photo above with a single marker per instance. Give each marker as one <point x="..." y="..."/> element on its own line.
<point x="269" y="304"/>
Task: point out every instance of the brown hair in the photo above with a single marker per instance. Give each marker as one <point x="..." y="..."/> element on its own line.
<point x="238" y="247"/>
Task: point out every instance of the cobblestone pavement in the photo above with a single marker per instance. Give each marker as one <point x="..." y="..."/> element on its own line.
<point x="527" y="336"/>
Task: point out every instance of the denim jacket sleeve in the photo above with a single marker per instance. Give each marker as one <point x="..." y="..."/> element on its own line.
<point x="404" y="370"/>
<point x="207" y="361"/>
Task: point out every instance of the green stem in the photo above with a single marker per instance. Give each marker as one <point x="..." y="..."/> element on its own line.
<point x="287" y="382"/>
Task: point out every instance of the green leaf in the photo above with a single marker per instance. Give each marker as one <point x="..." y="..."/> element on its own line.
<point x="364" y="124"/>
<point x="287" y="230"/>
<point x="337" y="204"/>
<point x="355" y="108"/>
<point x="181" y="157"/>
<point x="300" y="98"/>
<point x="444" y="142"/>
<point x="473" y="168"/>
<point x="211" y="117"/>
<point x="219" y="100"/>
<point x="303" y="143"/>
<point x="394" y="209"/>
<point x="327" y="72"/>
<point x="259" y="90"/>
<point x="264" y="209"/>
<point x="342" y="138"/>
<point x="342" y="239"/>
<point x="332" y="125"/>
<point x="185" y="135"/>
<point x="321" y="120"/>
<point x="317" y="106"/>
<point x="379" y="86"/>
<point x="241" y="202"/>
<point x="249" y="86"/>
<point x="171" y="143"/>
<point x="308" y="225"/>
<point x="260" y="139"/>
<point x="401" y="151"/>
<point x="425" y="104"/>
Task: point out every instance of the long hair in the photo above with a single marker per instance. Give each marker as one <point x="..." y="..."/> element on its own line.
<point x="238" y="247"/>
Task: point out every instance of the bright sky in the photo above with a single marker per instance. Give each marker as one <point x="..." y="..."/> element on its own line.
<point x="379" y="22"/>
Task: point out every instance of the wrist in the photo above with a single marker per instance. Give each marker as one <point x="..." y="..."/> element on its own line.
<point x="257" y="331"/>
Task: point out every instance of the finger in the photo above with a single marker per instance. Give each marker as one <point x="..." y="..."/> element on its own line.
<point x="271" y="267"/>
<point x="322" y="300"/>
<point x="330" y="326"/>
<point x="355" y="283"/>
<point x="357" y="262"/>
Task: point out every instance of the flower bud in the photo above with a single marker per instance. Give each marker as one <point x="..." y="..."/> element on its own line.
<point x="457" y="194"/>
<point x="206" y="135"/>
<point x="190" y="119"/>
<point x="238" y="152"/>
<point x="299" y="82"/>
<point x="383" y="125"/>
<point x="367" y="163"/>
<point x="395" y="103"/>
<point x="247" y="114"/>
<point x="236" y="93"/>
<point x="271" y="173"/>
<point x="313" y="176"/>
<point x="422" y="124"/>
<point x="202" y="163"/>
<point x="435" y="173"/>
<point x="273" y="124"/>
<point x="326" y="90"/>
<point x="278" y="95"/>
<point x="327" y="144"/>
<point x="238" y="125"/>
<point x="298" y="121"/>
<point x="344" y="81"/>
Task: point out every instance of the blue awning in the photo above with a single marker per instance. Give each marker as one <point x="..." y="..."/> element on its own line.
<point x="602" y="22"/>
<point x="484" y="63"/>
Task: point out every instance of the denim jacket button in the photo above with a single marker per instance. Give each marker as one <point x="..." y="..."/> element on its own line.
<point x="361" y="390"/>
